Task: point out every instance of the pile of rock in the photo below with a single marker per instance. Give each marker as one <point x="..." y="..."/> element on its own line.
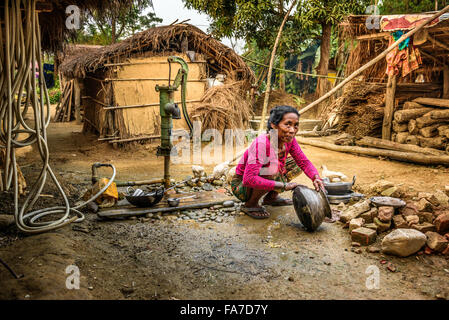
<point x="217" y="213"/>
<point x="422" y="221"/>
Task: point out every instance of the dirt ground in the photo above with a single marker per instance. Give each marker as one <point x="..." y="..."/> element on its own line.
<point x="241" y="258"/>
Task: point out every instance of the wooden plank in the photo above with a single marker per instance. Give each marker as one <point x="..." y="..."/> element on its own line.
<point x="69" y="111"/>
<point x="446" y="82"/>
<point x="443" y="103"/>
<point x="389" y="108"/>
<point x="77" y="93"/>
<point x="380" y="36"/>
<point x="120" y="213"/>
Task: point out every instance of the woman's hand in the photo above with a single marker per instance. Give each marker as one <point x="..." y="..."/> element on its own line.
<point x="318" y="184"/>
<point x="290" y="186"/>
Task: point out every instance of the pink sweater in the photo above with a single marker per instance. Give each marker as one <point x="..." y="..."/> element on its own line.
<point x="261" y="160"/>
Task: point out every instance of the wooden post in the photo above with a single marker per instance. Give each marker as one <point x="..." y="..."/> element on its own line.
<point x="77" y="93"/>
<point x="389" y="107"/>
<point x="446" y="82"/>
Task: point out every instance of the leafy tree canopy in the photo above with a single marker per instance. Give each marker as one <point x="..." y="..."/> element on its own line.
<point x="119" y="22"/>
<point x="409" y="6"/>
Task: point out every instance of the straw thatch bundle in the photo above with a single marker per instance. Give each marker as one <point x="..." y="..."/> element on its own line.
<point x="224" y="107"/>
<point x="73" y="51"/>
<point x="162" y="41"/>
<point x="360" y="109"/>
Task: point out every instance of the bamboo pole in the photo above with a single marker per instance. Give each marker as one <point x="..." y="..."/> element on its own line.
<point x="149" y="79"/>
<point x="270" y="69"/>
<point x="374" y="61"/>
<point x="145" y="63"/>
<point x="145" y="105"/>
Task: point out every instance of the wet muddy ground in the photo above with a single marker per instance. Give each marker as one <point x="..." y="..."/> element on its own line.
<point x="241" y="258"/>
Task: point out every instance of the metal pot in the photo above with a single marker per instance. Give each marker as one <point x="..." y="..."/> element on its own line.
<point x="311" y="207"/>
<point x="145" y="200"/>
<point x="339" y="188"/>
<point x="174" y="202"/>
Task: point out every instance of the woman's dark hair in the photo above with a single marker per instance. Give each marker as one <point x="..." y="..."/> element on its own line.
<point x="277" y="114"/>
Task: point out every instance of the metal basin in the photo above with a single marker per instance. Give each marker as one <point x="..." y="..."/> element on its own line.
<point x="311" y="207"/>
<point x="339" y="188"/>
<point x="148" y="199"/>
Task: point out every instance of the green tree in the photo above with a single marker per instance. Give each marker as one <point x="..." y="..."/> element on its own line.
<point x="325" y="15"/>
<point x="119" y="22"/>
<point x="410" y="6"/>
<point x="255" y="21"/>
<point x="259" y="20"/>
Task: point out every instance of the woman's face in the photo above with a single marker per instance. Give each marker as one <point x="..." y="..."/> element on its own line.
<point x="287" y="128"/>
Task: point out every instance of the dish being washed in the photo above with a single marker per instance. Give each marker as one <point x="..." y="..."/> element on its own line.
<point x="311" y="207"/>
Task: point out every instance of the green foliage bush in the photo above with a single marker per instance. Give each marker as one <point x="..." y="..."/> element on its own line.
<point x="54" y="95"/>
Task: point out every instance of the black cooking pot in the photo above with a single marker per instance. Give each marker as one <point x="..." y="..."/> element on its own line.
<point x="311" y="207"/>
<point x="338" y="188"/>
<point x="148" y="199"/>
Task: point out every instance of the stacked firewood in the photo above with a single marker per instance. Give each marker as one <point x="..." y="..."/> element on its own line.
<point x="65" y="112"/>
<point x="423" y="122"/>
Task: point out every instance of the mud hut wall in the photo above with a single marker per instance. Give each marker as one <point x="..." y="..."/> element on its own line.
<point x="145" y="120"/>
<point x="93" y="111"/>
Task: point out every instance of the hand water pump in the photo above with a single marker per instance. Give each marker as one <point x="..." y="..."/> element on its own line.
<point x="169" y="110"/>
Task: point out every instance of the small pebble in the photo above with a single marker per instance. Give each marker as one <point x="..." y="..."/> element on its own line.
<point x="373" y="249"/>
<point x="228" y="204"/>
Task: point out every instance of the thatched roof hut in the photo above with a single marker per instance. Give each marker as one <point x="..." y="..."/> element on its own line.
<point x="119" y="98"/>
<point x="162" y="41"/>
<point x="372" y="41"/>
<point x="420" y="70"/>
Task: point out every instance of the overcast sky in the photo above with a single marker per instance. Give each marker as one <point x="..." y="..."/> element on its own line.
<point x="170" y="10"/>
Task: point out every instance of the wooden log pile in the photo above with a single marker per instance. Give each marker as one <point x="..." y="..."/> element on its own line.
<point x="361" y="107"/>
<point x="423" y="122"/>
